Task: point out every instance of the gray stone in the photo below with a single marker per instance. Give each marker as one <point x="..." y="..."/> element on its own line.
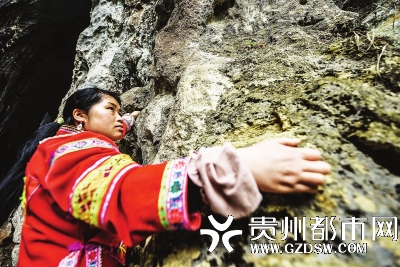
<point x="151" y="126"/>
<point x="14" y="256"/>
<point x="17" y="221"/>
<point x="5" y="233"/>
<point x="206" y="72"/>
<point x="243" y="71"/>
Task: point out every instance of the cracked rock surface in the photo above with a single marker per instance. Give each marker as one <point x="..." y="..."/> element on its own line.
<point x="242" y="71"/>
<point x="205" y="72"/>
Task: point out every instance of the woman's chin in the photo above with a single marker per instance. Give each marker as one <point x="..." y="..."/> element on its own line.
<point x="115" y="136"/>
<point x="118" y="137"/>
<point x="115" y="139"/>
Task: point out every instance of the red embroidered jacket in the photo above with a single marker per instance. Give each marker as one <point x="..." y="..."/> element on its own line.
<point x="82" y="197"/>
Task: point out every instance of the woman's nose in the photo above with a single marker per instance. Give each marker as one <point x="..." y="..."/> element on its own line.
<point x="119" y="118"/>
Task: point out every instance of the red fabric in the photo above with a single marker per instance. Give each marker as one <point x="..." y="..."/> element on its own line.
<point x="131" y="214"/>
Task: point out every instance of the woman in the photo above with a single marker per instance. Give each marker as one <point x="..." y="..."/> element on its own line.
<point x="84" y="201"/>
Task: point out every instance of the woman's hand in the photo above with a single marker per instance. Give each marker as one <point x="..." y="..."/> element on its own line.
<point x="129" y="116"/>
<point x="135" y="114"/>
<point x="129" y="119"/>
<point x="279" y="166"/>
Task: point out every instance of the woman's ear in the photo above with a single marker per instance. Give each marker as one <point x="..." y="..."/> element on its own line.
<point x="79" y="115"/>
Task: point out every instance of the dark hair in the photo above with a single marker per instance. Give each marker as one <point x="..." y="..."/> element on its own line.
<point x="84" y="99"/>
<point x="12" y="184"/>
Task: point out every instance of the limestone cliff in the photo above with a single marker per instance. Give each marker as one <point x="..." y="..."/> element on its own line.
<point x="205" y="72"/>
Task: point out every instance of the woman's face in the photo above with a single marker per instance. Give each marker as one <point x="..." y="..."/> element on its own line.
<point x="104" y="118"/>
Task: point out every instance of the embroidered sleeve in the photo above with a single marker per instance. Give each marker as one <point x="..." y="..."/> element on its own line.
<point x="90" y="180"/>
<point x="173" y="199"/>
<point x="153" y="199"/>
<point x="92" y="191"/>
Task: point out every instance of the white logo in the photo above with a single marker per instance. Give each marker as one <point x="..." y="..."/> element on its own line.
<point x="220" y="227"/>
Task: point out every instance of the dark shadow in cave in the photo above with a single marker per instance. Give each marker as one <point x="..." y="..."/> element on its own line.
<point x="223" y="7"/>
<point x="385" y="156"/>
<point x="354" y="5"/>
<point x="37" y="50"/>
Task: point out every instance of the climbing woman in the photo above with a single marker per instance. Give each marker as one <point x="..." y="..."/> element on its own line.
<point x="84" y="201"/>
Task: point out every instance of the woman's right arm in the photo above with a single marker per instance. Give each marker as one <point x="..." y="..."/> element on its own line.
<point x="92" y="182"/>
<point x="230" y="179"/>
<point x="89" y="179"/>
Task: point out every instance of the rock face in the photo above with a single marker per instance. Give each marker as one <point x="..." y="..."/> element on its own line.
<point x="206" y="72"/>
